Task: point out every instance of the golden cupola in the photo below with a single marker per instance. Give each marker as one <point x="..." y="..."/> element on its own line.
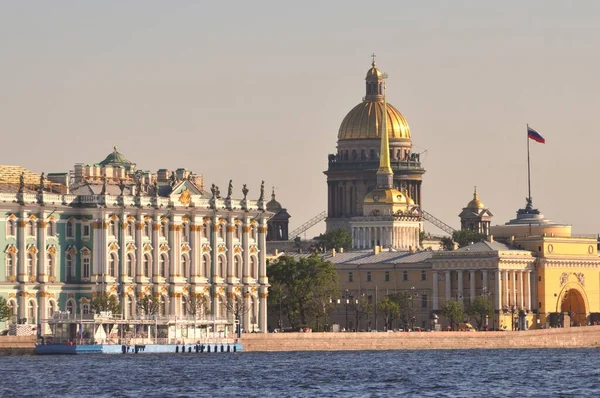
<point x="475" y="203"/>
<point x="364" y="121"/>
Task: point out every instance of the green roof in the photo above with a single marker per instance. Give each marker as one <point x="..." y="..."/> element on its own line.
<point x="115" y="159"/>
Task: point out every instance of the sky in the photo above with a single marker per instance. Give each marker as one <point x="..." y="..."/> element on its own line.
<point x="253" y="91"/>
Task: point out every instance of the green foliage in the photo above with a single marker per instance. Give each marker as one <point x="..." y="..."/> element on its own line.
<point x="447" y="243"/>
<point x="360" y="308"/>
<point x="479" y="309"/>
<point x="5" y="312"/>
<point x="421" y="238"/>
<point x="301" y="288"/>
<point x="390" y="310"/>
<point x="453" y="310"/>
<point x="103" y="303"/>
<point x="406" y="304"/>
<point x="335" y="239"/>
<point x="465" y="237"/>
<point x="148" y="305"/>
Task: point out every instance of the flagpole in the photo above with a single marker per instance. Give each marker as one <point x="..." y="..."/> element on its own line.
<point x="528" y="166"/>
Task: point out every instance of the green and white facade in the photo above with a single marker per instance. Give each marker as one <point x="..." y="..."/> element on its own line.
<point x="116" y="231"/>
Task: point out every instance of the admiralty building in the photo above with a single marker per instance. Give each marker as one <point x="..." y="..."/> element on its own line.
<point x="110" y="229"/>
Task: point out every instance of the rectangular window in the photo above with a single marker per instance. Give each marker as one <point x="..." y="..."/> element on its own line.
<point x="405" y="275"/>
<point x="70" y="230"/>
<point x="423" y="301"/>
<point x="368" y="277"/>
<point x="423" y="276"/>
<point x="350" y="277"/>
<point x="387" y="276"/>
<point x="85" y="231"/>
<point x="86" y="267"/>
<point x="539" y="278"/>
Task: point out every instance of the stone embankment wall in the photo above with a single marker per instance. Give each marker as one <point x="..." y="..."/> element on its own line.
<point x="547" y="338"/>
<point x="10" y="345"/>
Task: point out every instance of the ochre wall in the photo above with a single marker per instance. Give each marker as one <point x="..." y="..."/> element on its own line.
<point x="547" y="338"/>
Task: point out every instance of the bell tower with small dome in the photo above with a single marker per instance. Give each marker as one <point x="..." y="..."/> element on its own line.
<point x="476" y="217"/>
<point x="352" y="171"/>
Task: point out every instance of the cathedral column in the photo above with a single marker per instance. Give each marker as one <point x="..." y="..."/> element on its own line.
<point x="460" y="286"/>
<point x="155" y="250"/>
<point x="435" y="301"/>
<point x="122" y="265"/>
<point x="505" y="301"/>
<point x="229" y="244"/>
<point x="42" y="271"/>
<point x="354" y="240"/>
<point x="262" y="310"/>
<point x="448" y="285"/>
<point x="262" y="253"/>
<point x="472" y="285"/>
<point x="22" y="261"/>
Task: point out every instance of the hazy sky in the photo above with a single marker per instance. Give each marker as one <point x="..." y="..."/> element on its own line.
<point x="254" y="90"/>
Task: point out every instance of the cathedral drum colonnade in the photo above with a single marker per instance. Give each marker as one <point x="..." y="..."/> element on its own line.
<point x="114" y="230"/>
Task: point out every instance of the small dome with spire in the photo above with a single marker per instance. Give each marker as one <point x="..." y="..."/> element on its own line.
<point x="273" y="205"/>
<point x="116" y="159"/>
<point x="475" y="203"/>
<point x="373" y="72"/>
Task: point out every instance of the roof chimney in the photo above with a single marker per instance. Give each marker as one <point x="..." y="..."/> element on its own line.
<point x="332" y="252"/>
<point x="376" y="249"/>
<point x="341" y="249"/>
<point x="491" y="238"/>
<point x="276" y="252"/>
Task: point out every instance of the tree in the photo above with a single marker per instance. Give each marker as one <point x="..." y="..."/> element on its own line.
<point x="196" y="305"/>
<point x="479" y="309"/>
<point x="447" y="243"/>
<point x="465" y="237"/>
<point x="361" y="308"/>
<point x="105" y="303"/>
<point x="148" y="305"/>
<point x="237" y="307"/>
<point x="5" y="310"/>
<point x="390" y="311"/>
<point x="297" y="284"/>
<point x="335" y="239"/>
<point x="453" y="310"/>
<point x="406" y="305"/>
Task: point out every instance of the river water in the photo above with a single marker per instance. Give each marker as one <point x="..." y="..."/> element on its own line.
<point x="435" y="373"/>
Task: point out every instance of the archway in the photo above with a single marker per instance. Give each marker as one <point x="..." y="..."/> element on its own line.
<point x="572" y="302"/>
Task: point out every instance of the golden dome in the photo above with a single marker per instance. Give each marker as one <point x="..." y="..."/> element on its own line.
<point x="373" y="72"/>
<point x="388" y="196"/>
<point x="362" y="122"/>
<point x="475" y="203"/>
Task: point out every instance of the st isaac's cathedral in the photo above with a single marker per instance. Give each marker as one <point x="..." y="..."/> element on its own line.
<point x="108" y="228"/>
<point x="535" y="272"/>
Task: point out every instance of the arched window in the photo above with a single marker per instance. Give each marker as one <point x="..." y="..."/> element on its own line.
<point x="206" y="266"/>
<point x="130" y="228"/>
<point x="85" y="309"/>
<point x="85" y="272"/>
<point x="238" y="231"/>
<point x="50" y="265"/>
<point x="31" y="228"/>
<point x="184" y="232"/>
<point x="221" y="270"/>
<point x="130" y="307"/>
<point x="163" y="306"/>
<point x="113" y="260"/>
<point x="163" y="265"/>
<point x="205" y="230"/>
<point x="147" y="271"/>
<point x="69" y="267"/>
<point x="51" y="308"/>
<point x="147" y="228"/>
<point x="237" y="266"/>
<point x="253" y="269"/>
<point x="10" y="265"/>
<point x="11" y="228"/>
<point x="185" y="266"/>
<point x="50" y="228"/>
<point x="12" y="305"/>
<point x="30" y="264"/>
<point x="70" y="232"/>
<point x="31" y="312"/>
<point x="163" y="229"/>
<point x="184" y="306"/>
<point x="130" y="265"/>
<point x="222" y="230"/>
<point x="71" y="306"/>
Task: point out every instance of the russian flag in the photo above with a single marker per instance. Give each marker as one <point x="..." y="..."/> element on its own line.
<point x="534" y="135"/>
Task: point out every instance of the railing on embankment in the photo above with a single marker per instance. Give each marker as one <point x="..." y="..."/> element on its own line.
<point x="579" y="337"/>
<point x="11" y="345"/>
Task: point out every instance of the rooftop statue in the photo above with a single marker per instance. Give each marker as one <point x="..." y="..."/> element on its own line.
<point x="245" y="191"/>
<point x="262" y="191"/>
<point x="230" y="189"/>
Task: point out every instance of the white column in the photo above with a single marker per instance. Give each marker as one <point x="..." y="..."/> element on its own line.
<point x="435" y="301"/>
<point x="460" y="286"/>
<point x="514" y="288"/>
<point x="498" y="291"/>
<point x="472" y="285"/>
<point x="448" y="285"/>
<point x="506" y="291"/>
<point x="155" y="250"/>
<point x="139" y="251"/>
<point x="42" y="266"/>
<point x="521" y="289"/>
<point x="484" y="283"/>
<point x="528" y="285"/>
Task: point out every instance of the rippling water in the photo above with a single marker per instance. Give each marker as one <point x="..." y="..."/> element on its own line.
<point x="473" y="373"/>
